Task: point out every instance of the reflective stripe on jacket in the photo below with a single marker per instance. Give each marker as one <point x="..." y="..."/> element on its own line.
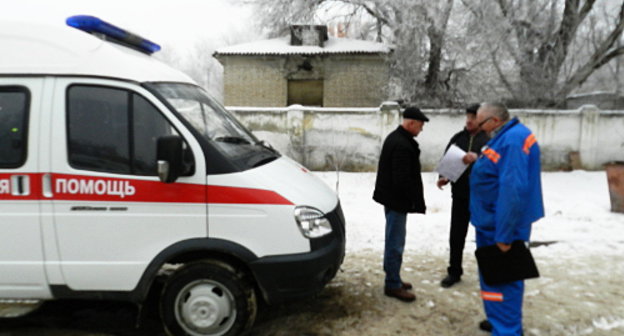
<point x="505" y="185"/>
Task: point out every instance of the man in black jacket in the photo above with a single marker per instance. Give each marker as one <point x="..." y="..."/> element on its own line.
<point x="399" y="189"/>
<point x="470" y="139"/>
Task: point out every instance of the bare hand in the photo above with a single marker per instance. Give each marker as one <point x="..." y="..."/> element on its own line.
<point x="469" y="158"/>
<point x="442" y="182"/>
<point x="503" y="247"/>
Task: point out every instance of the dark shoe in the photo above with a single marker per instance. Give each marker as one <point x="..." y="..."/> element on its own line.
<point x="406" y="285"/>
<point x="400" y="293"/>
<point x="485" y="325"/>
<point x="449" y="281"/>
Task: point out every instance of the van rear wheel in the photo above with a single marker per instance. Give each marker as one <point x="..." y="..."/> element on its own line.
<point x="207" y="298"/>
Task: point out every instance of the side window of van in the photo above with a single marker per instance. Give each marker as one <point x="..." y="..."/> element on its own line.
<point x="14" y="104"/>
<point x="113" y="130"/>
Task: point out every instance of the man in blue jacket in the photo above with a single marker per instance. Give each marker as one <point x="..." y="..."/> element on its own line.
<point x="505" y="199"/>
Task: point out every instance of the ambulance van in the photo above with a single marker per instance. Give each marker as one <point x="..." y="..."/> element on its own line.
<point x="117" y="171"/>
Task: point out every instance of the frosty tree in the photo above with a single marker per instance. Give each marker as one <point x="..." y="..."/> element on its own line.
<point x="535" y="45"/>
<point x="417" y="29"/>
<point x="448" y="52"/>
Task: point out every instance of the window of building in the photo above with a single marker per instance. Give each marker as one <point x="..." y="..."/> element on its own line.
<point x="14" y="102"/>
<point x="305" y="92"/>
<point x="113" y="130"/>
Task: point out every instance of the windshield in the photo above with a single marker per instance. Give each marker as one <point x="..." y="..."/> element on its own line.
<point x="216" y="126"/>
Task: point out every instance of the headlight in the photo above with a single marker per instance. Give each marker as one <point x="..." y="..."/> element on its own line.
<point x="312" y="222"/>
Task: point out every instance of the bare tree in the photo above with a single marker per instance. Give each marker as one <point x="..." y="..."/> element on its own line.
<point x="416" y="28"/>
<point x="198" y="62"/>
<point x="539" y="37"/>
<point x="537" y="51"/>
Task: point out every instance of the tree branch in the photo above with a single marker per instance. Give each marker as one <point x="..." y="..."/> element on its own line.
<point x="582" y="73"/>
<point x="501" y="75"/>
<point x="603" y="54"/>
<point x="570" y="22"/>
<point x="504" y="7"/>
<point x="587" y="7"/>
<point x="375" y="14"/>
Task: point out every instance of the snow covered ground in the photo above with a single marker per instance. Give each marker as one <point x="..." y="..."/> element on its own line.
<point x="581" y="288"/>
<point x="578" y="216"/>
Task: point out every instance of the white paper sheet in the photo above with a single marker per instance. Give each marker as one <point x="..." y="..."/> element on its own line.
<point x="451" y="165"/>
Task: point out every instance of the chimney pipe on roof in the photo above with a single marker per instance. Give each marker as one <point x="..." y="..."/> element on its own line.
<point x="308" y="35"/>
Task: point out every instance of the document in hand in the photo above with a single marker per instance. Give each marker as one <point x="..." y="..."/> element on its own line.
<point x="451" y="165"/>
<point x="499" y="267"/>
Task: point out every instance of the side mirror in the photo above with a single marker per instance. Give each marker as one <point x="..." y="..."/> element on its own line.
<point x="169" y="156"/>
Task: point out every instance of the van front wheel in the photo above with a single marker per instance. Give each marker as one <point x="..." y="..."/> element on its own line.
<point x="207" y="298"/>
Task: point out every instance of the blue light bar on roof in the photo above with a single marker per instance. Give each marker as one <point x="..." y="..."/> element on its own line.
<point x="91" y="24"/>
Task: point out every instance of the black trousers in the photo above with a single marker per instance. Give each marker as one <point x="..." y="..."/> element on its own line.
<point x="460" y="217"/>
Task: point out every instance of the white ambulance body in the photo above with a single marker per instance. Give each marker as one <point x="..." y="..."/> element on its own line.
<point x="115" y="167"/>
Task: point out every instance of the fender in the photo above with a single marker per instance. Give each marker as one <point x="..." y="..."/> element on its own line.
<point x="182" y="251"/>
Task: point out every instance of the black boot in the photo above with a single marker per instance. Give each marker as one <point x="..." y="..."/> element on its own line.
<point x="449" y="281"/>
<point x="485" y="325"/>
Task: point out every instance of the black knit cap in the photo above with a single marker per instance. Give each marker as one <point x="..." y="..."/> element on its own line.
<point x="414" y="113"/>
<point x="472" y="109"/>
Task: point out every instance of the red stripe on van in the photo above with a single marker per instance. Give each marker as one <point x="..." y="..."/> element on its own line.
<point x="233" y="195"/>
<point x="91" y="188"/>
<point x="7" y="188"/>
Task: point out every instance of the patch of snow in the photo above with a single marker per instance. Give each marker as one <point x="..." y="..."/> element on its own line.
<point x="608" y="323"/>
<point x="578" y="218"/>
<point x="281" y="46"/>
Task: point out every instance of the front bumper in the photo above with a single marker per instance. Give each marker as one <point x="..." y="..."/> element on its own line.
<point x="292" y="276"/>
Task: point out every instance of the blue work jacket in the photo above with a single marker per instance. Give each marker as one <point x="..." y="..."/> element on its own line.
<point x="505" y="185"/>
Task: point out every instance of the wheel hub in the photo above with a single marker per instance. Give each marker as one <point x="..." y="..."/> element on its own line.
<point x="205" y="307"/>
<point x="203" y="312"/>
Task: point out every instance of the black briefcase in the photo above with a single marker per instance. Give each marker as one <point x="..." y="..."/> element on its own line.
<point x="498" y="267"/>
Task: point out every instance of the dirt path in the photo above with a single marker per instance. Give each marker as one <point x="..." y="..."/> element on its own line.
<point x="558" y="303"/>
<point x="567" y="300"/>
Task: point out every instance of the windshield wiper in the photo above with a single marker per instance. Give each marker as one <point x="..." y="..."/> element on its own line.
<point x="266" y="145"/>
<point x="233" y="140"/>
<point x="264" y="161"/>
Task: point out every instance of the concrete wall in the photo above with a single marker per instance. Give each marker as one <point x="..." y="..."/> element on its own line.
<point x="351" y="138"/>
<point x="262" y="81"/>
<point x="355" y="81"/>
<point x="254" y="82"/>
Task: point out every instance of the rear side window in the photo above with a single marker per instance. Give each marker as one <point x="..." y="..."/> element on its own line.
<point x="14" y="104"/>
<point x="113" y="130"/>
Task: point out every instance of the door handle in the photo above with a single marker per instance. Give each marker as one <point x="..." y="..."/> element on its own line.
<point x="47" y="185"/>
<point x="20" y="185"/>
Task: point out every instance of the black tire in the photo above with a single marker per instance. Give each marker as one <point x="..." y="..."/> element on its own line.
<point x="207" y="298"/>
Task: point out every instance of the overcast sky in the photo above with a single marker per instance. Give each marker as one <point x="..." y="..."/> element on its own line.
<point x="177" y="23"/>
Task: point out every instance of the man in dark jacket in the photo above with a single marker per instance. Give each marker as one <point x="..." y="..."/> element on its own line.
<point x="399" y="189"/>
<point x="471" y="140"/>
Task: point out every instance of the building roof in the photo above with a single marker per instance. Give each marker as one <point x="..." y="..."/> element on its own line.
<point x="37" y="49"/>
<point x="281" y="46"/>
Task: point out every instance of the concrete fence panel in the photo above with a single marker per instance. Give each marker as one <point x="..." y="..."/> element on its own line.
<point x="350" y="138"/>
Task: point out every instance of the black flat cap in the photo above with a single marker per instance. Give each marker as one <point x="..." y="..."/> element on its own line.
<point x="414" y="113"/>
<point x="472" y="109"/>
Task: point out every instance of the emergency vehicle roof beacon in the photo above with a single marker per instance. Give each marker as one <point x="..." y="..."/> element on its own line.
<point x="47" y="49"/>
<point x="122" y="170"/>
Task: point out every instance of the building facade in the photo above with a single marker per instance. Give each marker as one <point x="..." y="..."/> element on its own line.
<point x="306" y="68"/>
